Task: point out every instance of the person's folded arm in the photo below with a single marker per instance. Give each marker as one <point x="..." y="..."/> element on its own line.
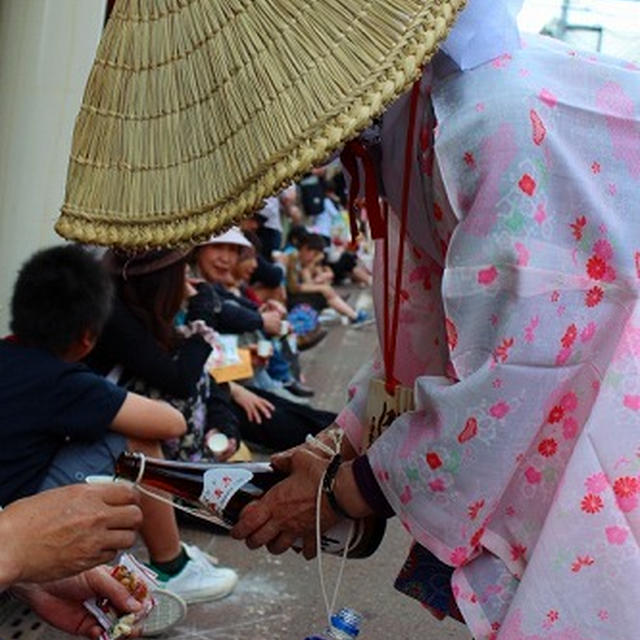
<point x="144" y="418"/>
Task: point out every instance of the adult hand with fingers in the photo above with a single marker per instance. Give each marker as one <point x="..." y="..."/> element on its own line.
<point x="60" y="603"/>
<point x="65" y="531"/>
<point x="271" y="322"/>
<point x="287" y="512"/>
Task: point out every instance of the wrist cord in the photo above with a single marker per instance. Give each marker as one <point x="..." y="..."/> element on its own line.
<point x="336" y="436"/>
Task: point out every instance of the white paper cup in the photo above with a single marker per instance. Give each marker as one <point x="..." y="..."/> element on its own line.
<point x="285" y="327"/>
<point x="217" y="443"/>
<point x="265" y="348"/>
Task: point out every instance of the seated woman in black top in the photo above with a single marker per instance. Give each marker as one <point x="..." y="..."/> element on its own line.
<point x="143" y="348"/>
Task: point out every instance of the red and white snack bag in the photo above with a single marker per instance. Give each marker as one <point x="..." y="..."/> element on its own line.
<point x="139" y="580"/>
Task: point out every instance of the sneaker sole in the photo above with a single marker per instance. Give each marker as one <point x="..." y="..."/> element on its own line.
<point x="169" y="611"/>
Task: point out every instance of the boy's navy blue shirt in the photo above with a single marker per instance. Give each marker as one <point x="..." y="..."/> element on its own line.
<point x="45" y="402"/>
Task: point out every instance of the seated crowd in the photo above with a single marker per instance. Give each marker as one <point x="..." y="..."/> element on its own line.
<point x="121" y="353"/>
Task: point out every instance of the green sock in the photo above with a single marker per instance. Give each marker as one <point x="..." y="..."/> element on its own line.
<point x="172" y="567"/>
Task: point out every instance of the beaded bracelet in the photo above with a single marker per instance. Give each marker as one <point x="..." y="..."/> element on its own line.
<point x="328" y="483"/>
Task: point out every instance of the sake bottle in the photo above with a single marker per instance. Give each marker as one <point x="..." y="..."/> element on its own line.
<point x="224" y="489"/>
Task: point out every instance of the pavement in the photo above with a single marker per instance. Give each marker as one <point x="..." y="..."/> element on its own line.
<point x="279" y="598"/>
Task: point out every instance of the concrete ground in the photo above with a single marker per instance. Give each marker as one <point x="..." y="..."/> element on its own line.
<point x="279" y="598"/>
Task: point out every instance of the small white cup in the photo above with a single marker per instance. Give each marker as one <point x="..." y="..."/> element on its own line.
<point x="265" y="348"/>
<point x="217" y="443"/>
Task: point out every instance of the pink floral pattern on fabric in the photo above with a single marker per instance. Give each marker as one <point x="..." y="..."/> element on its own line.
<point x="521" y="332"/>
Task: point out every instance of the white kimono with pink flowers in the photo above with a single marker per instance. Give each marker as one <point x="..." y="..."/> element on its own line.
<point x="520" y="333"/>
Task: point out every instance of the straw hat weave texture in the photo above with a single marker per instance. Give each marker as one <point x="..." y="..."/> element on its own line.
<point x="196" y="110"/>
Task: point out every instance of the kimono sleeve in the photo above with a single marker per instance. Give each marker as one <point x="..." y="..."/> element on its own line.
<point x="352" y="418"/>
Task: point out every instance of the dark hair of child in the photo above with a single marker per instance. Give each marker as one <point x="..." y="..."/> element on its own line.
<point x="296" y="234"/>
<point x="155" y="298"/>
<point x="314" y="242"/>
<point x="60" y="293"/>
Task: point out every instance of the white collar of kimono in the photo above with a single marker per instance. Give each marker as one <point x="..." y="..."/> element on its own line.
<point x="483" y="31"/>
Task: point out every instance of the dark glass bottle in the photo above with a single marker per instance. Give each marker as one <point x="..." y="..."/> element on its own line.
<point x="226" y="488"/>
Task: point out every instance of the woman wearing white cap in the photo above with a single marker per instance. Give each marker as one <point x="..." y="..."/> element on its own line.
<point x="215" y="260"/>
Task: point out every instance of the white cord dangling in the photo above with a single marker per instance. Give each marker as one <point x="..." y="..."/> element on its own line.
<point x="143" y="466"/>
<point x="336" y="435"/>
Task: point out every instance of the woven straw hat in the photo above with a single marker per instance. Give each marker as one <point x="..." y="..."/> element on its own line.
<point x="196" y="110"/>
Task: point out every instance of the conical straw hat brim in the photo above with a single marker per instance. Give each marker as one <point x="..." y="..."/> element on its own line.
<point x="196" y="110"/>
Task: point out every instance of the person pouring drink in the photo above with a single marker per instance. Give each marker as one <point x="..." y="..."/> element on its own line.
<point x="499" y="419"/>
<point x="502" y="315"/>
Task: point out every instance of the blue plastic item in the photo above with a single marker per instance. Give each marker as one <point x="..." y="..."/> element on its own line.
<point x="345" y="625"/>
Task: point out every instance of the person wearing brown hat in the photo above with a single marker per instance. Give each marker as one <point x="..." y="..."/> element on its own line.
<point x="499" y="421"/>
<point x="143" y="347"/>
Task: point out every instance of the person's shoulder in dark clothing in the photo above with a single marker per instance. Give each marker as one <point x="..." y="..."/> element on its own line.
<point x="45" y="402"/>
<point x="230" y="296"/>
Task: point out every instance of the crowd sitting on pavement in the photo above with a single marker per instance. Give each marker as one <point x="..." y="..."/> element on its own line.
<point x="117" y="351"/>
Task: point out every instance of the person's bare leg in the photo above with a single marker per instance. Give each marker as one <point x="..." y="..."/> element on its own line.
<point x="337" y="303"/>
<point x="360" y="275"/>
<point x="159" y="526"/>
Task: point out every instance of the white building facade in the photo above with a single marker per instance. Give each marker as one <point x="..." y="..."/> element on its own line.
<point x="46" y="51"/>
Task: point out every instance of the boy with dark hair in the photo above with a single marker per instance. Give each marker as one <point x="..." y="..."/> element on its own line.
<point x="60" y="422"/>
<point x="59" y="296"/>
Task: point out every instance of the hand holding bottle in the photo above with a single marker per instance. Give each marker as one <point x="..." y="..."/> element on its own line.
<point x="229" y="491"/>
<point x="287" y="512"/>
<point x="325" y="436"/>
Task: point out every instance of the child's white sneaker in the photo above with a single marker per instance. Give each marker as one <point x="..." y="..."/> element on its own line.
<point x="200" y="580"/>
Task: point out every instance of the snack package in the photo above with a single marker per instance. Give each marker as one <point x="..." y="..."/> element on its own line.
<point x="139" y="581"/>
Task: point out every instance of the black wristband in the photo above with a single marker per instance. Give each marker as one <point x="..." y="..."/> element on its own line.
<point x="328" y="483"/>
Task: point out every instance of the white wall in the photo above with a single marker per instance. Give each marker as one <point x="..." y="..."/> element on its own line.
<point x="46" y="51"/>
<point x="620" y="20"/>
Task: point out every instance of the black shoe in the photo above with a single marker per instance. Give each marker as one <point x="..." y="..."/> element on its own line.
<point x="311" y="339"/>
<point x="299" y="389"/>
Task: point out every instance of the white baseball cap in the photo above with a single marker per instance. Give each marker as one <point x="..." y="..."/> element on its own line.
<point x="231" y="236"/>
